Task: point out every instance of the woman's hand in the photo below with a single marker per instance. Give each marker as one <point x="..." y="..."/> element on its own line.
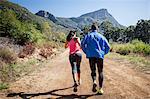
<point x="66" y="44"/>
<point x="77" y="39"/>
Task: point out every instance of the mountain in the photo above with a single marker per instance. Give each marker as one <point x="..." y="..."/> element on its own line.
<point x="46" y="15"/>
<point x="65" y="22"/>
<point x="85" y="19"/>
<point x="99" y="16"/>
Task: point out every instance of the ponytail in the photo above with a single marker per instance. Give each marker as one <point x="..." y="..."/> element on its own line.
<point x="70" y="35"/>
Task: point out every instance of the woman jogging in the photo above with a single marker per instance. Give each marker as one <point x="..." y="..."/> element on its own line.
<point x="95" y="46"/>
<point x="75" y="56"/>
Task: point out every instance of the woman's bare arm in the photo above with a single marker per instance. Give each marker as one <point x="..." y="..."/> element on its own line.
<point x="66" y="44"/>
<point x="79" y="42"/>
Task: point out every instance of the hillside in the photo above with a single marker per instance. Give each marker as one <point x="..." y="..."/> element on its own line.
<point x="20" y="24"/>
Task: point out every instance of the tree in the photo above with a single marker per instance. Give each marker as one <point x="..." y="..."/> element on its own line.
<point x="106" y="27"/>
<point x="130" y="33"/>
<point x="8" y="22"/>
<point x="46" y="29"/>
<point x="142" y="30"/>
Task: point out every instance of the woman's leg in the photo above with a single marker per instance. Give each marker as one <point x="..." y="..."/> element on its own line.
<point x="74" y="67"/>
<point x="78" y="60"/>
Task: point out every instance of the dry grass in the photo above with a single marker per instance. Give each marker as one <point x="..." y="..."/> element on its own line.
<point x="7" y="56"/>
<point x="138" y="61"/>
<point x="28" y="49"/>
<point x="46" y="51"/>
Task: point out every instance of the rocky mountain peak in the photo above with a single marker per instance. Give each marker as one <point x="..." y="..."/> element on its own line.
<point x="46" y="14"/>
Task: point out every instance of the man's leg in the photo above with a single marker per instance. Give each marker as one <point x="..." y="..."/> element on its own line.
<point x="93" y="73"/>
<point x="93" y="68"/>
<point x="100" y="72"/>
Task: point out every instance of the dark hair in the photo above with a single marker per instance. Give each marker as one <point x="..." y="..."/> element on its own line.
<point x="94" y="27"/>
<point x="70" y="35"/>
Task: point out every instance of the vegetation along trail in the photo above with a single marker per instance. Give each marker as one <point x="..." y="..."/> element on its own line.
<point x="54" y="80"/>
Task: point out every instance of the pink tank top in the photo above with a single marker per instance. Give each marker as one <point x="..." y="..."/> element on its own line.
<point x="73" y="46"/>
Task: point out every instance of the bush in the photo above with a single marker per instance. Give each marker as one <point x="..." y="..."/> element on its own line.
<point x="46" y="50"/>
<point x="20" y="31"/>
<point x="124" y="49"/>
<point x="135" y="46"/>
<point x="6" y="72"/>
<point x="147" y="49"/>
<point x="7" y="55"/>
<point x="28" y="49"/>
<point x="3" y="86"/>
<point x="139" y="46"/>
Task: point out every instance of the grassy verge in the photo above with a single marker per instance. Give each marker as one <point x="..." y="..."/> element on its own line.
<point x="23" y="69"/>
<point x="138" y="61"/>
<point x="31" y="58"/>
<point x="135" y="46"/>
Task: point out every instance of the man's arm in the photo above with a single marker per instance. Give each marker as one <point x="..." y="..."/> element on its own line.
<point x="107" y="46"/>
<point x="84" y="44"/>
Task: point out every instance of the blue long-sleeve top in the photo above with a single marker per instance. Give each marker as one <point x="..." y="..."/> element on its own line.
<point x="95" y="45"/>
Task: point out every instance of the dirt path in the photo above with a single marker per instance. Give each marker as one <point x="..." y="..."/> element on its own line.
<point x="55" y="81"/>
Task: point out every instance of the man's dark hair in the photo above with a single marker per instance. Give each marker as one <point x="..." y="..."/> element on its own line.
<point x="94" y="27"/>
<point x="70" y="35"/>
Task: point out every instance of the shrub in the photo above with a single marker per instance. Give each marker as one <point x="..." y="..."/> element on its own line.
<point x="3" y="86"/>
<point x="7" y="55"/>
<point x="147" y="49"/>
<point x="46" y="51"/>
<point x="135" y="46"/>
<point x="139" y="46"/>
<point x="28" y="49"/>
<point x="21" y="31"/>
<point x="6" y="72"/>
<point x="136" y="41"/>
<point x="124" y="49"/>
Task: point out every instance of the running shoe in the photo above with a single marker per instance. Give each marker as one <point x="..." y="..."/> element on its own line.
<point x="100" y="91"/>
<point x="79" y="82"/>
<point x="75" y="87"/>
<point x="94" y="87"/>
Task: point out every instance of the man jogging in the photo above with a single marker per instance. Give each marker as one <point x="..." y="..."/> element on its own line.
<point x="95" y="46"/>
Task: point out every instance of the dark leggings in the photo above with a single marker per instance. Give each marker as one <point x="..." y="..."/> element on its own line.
<point x="75" y="60"/>
<point x="99" y="62"/>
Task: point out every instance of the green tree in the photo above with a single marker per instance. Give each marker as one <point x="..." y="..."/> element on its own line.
<point x="142" y="30"/>
<point x="106" y="27"/>
<point x="130" y="33"/>
<point x="46" y="29"/>
<point x="117" y="34"/>
<point x="8" y="22"/>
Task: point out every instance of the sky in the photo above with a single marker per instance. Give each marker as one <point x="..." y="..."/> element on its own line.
<point x="126" y="12"/>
